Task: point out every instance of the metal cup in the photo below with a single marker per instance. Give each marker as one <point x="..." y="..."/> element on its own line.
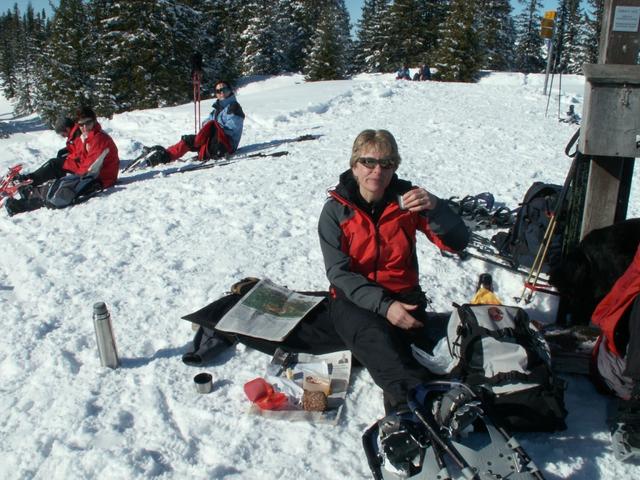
<point x="203" y="382"/>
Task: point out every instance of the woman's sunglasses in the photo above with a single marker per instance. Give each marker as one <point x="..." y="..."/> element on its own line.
<point x="371" y="163"/>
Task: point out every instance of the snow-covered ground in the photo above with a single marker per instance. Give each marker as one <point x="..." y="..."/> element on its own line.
<point x="156" y="248"/>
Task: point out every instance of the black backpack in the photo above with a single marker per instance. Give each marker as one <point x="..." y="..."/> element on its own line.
<point x="522" y="243"/>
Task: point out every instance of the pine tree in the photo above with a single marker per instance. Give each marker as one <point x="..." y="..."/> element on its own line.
<point x="102" y="97"/>
<point x="574" y="51"/>
<point x="328" y="55"/>
<point x="373" y="37"/>
<point x="218" y="41"/>
<point x="29" y="45"/>
<point x="292" y="33"/>
<point x="146" y="68"/>
<point x="529" y="43"/>
<point x="65" y="80"/>
<point x="459" y="55"/>
<point x="261" y="55"/>
<point x="497" y="34"/>
<point x="10" y="32"/>
<point x="593" y="28"/>
<point x="408" y="31"/>
<point x="435" y="13"/>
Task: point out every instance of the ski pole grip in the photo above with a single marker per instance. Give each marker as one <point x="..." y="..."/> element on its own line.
<point x="196" y="63"/>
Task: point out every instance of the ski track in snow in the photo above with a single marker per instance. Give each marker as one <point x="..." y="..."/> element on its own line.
<point x="156" y="248"/>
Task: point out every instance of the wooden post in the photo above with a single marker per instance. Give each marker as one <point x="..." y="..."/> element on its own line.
<point x="617" y="43"/>
<point x="602" y="183"/>
<point x="608" y="186"/>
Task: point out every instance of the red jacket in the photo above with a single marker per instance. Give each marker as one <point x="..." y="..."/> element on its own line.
<point x="74" y="145"/>
<point x="96" y="154"/>
<point x="610" y="310"/>
<point x="370" y="261"/>
<point x="383" y="252"/>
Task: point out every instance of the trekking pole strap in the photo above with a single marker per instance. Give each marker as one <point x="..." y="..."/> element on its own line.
<point x="567" y="149"/>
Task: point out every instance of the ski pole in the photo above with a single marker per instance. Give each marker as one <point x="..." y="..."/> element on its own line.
<point x="196" y="101"/>
<point x="196" y="80"/>
<point x="536" y="268"/>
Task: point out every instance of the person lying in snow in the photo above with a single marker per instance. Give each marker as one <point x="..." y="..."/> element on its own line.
<point x="220" y="133"/>
<point x="376" y="307"/>
<point x="87" y="164"/>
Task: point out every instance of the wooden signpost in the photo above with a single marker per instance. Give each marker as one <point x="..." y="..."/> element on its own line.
<point x="610" y="131"/>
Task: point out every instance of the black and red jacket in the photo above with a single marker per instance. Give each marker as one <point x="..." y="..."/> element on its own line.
<point x="97" y="154"/>
<point x="370" y="250"/>
<point x="614" y="305"/>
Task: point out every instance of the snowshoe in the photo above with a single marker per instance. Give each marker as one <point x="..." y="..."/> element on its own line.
<point x="398" y="447"/>
<point x="625" y="440"/>
<point x="471" y="446"/>
<point x="13" y="182"/>
<point x="477" y="212"/>
<point x="625" y="430"/>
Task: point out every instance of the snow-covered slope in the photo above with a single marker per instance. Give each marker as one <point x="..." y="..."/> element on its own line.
<point x="155" y="248"/>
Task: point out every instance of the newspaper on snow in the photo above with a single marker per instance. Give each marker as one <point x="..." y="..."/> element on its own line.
<point x="287" y="373"/>
<point x="268" y="311"/>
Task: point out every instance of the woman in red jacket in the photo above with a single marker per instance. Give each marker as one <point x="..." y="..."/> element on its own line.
<point x="367" y="233"/>
<point x="91" y="164"/>
<point x="98" y="154"/>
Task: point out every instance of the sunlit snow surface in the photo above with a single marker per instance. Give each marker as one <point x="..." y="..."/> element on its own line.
<point x="155" y="248"/>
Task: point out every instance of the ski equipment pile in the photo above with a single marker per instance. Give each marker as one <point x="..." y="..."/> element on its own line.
<point x="9" y="185"/>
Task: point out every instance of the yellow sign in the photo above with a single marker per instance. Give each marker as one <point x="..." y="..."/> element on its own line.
<point x="546" y="24"/>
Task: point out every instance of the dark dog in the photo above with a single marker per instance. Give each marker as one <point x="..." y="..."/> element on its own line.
<point x="587" y="274"/>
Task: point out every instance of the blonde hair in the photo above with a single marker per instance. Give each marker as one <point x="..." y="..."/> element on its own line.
<point x="379" y="140"/>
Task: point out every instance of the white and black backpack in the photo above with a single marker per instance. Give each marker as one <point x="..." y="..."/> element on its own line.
<point x="503" y="357"/>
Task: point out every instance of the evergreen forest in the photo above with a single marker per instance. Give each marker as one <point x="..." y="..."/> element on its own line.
<point x="120" y="55"/>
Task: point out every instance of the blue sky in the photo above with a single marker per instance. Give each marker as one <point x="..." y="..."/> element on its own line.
<point x="22" y="5"/>
<point x="355" y="7"/>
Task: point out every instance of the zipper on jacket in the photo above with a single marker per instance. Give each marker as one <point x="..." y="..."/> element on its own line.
<point x="375" y="263"/>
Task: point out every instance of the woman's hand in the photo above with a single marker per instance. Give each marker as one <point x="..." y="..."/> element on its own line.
<point x="418" y="199"/>
<point x="398" y="315"/>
